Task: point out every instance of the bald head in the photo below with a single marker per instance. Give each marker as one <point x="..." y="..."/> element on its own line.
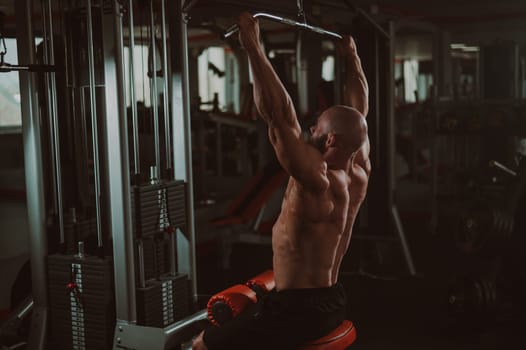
<point x="348" y="126"/>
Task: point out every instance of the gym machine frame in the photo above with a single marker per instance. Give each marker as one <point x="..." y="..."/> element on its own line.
<point x="127" y="333"/>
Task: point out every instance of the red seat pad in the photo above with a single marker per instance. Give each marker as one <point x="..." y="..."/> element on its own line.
<point x="339" y="339"/>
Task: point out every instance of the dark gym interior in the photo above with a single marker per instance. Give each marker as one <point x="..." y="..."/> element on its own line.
<point x="137" y="179"/>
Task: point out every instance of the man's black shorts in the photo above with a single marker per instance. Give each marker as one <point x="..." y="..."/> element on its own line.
<point x="282" y="320"/>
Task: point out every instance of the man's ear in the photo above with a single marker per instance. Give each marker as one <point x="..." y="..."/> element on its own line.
<point x="331" y="140"/>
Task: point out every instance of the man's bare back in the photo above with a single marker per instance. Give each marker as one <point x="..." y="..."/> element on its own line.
<point x="314" y="228"/>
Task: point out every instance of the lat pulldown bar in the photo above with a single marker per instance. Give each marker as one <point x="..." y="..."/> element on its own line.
<point x="234" y="28"/>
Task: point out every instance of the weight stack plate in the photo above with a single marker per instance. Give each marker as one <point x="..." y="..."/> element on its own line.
<point x="158" y="207"/>
<point x="156" y="257"/>
<point x="81" y="318"/>
<point x="163" y="302"/>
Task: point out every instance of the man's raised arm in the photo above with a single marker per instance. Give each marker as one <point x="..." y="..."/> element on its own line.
<point x="272" y="100"/>
<point x="356" y="89"/>
<point x="301" y="161"/>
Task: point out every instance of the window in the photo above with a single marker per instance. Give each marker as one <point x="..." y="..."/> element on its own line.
<point x="10" y="111"/>
<point x="327" y="70"/>
<point x="211" y="71"/>
<point x="411" y="80"/>
<point x="142" y="81"/>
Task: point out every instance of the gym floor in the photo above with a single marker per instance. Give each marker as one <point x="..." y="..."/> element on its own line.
<point x="390" y="309"/>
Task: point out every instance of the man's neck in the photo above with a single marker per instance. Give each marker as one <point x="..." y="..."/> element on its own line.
<point x="335" y="160"/>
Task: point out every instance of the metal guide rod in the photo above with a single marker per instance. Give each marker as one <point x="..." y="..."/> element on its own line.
<point x="133" y="98"/>
<point x="167" y="132"/>
<point x="51" y="87"/>
<point x="165" y="88"/>
<point x="185" y="85"/>
<point x="234" y="28"/>
<point x="153" y="92"/>
<point x="403" y="241"/>
<point x="94" y="124"/>
<point x="66" y="39"/>
<point x="301" y="12"/>
<point x="45" y="57"/>
<point x="140" y="257"/>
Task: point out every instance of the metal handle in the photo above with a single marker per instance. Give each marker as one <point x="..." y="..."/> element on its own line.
<point x="234" y="28"/>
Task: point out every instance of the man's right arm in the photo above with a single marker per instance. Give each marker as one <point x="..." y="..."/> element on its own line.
<point x="356" y="89"/>
<point x="300" y="160"/>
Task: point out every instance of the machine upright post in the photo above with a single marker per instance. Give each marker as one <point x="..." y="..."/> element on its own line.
<point x="51" y="92"/>
<point x="117" y="166"/>
<point x="34" y="177"/>
<point x="181" y="135"/>
<point x="391" y="147"/>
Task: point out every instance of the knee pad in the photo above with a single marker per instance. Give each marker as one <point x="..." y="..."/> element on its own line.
<point x="225" y="305"/>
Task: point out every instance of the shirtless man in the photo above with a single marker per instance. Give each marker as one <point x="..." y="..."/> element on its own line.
<point x="329" y="172"/>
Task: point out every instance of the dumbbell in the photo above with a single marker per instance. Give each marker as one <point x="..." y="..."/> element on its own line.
<point x="471" y="297"/>
<point x="480" y="225"/>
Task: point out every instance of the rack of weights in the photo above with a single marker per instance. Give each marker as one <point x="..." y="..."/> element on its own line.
<point x="163" y="301"/>
<point x="158" y="211"/>
<point x="162" y="294"/>
<point x="156" y="252"/>
<point x="81" y="301"/>
<point x="158" y="207"/>
<point x="159" y="204"/>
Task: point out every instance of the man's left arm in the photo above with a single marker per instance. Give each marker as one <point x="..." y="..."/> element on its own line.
<point x="356" y="88"/>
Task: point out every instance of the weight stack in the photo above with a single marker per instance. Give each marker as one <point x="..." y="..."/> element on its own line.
<point x="156" y="257"/>
<point x="81" y="302"/>
<point x="158" y="208"/>
<point x="163" y="302"/>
